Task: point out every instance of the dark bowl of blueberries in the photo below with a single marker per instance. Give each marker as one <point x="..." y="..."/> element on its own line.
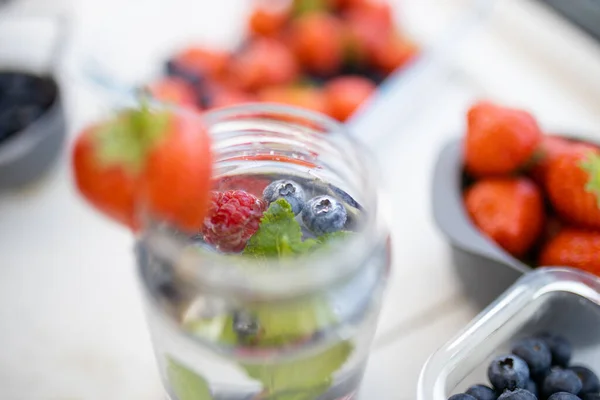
<point x="32" y="126"/>
<point x="539" y="341"/>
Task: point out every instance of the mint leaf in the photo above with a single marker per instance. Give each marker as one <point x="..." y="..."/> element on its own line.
<point x="333" y="236"/>
<point x="186" y="384"/>
<point x="279" y="234"/>
<point x="126" y="139"/>
<point x="217" y="329"/>
<point x="289" y="322"/>
<point x="304" y="378"/>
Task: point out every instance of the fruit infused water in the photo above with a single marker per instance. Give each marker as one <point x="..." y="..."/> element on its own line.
<point x="277" y="294"/>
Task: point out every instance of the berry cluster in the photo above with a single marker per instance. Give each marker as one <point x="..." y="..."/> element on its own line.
<point x="323" y="55"/>
<point x="536" y="196"/>
<point x="235" y="215"/>
<point x="537" y="368"/>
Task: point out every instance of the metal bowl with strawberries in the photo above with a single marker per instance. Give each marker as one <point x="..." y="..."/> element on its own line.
<point x="510" y="198"/>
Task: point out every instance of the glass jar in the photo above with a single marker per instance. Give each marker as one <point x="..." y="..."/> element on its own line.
<point x="226" y="326"/>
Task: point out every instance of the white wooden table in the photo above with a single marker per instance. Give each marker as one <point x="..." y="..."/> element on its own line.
<point x="72" y="325"/>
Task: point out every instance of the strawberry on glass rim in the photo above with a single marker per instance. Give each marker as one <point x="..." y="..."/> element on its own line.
<point x="159" y="161"/>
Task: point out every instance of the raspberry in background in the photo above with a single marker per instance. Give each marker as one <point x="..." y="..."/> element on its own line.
<point x="499" y="140"/>
<point x="233" y="217"/>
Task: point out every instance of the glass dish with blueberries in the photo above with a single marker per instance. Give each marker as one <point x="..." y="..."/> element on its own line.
<point x="538" y="341"/>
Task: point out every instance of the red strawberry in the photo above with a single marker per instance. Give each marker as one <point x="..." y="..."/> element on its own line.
<point x="176" y="179"/>
<point x="108" y="186"/>
<point x="269" y="18"/>
<point x="162" y="160"/>
<point x="499" y="140"/>
<point x="345" y="94"/>
<point x="549" y="149"/>
<point x="508" y="210"/>
<point x="310" y="98"/>
<point x="264" y="62"/>
<point x="174" y="91"/>
<point x="575" y="248"/>
<point x="233" y="217"/>
<point x="203" y="62"/>
<point x="394" y="52"/>
<point x="317" y="40"/>
<point x="573" y="186"/>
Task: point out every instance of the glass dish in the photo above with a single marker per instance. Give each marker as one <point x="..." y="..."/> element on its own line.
<point x="559" y="300"/>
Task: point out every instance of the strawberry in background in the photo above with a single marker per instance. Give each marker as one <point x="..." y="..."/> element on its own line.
<point x="289" y="43"/>
<point x="144" y="161"/>
<point x="508" y="210"/>
<point x="499" y="140"/>
<point x="537" y="196"/>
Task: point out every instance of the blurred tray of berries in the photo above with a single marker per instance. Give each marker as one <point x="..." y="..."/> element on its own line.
<point x="328" y="56"/>
<point x="511" y="197"/>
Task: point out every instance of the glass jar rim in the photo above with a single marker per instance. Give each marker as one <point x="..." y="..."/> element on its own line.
<point x="212" y="271"/>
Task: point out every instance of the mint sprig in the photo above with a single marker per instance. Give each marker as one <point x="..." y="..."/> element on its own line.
<point x="279" y="234"/>
<point x="304" y="378"/>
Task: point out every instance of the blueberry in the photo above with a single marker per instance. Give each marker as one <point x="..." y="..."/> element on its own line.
<point x="563" y="396"/>
<point x="532" y="387"/>
<point x="345" y="197"/>
<point x="324" y="214"/>
<point x="561" y="380"/>
<point x="560" y="348"/>
<point x="174" y="69"/>
<point x="482" y="392"/>
<point x="245" y="325"/>
<point x="589" y="380"/>
<point x="508" y="372"/>
<point x="288" y="190"/>
<point x="536" y="354"/>
<point x="517" y="394"/>
<point x="462" y="396"/>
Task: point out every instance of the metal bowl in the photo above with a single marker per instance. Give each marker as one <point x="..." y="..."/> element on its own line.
<point x="485" y="269"/>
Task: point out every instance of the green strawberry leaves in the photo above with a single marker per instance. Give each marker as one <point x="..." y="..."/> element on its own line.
<point x="304" y="378"/>
<point x="126" y="139"/>
<point x="592" y="166"/>
<point x="185" y="383"/>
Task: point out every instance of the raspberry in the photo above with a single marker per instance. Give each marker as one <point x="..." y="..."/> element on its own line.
<point x="233" y="217"/>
